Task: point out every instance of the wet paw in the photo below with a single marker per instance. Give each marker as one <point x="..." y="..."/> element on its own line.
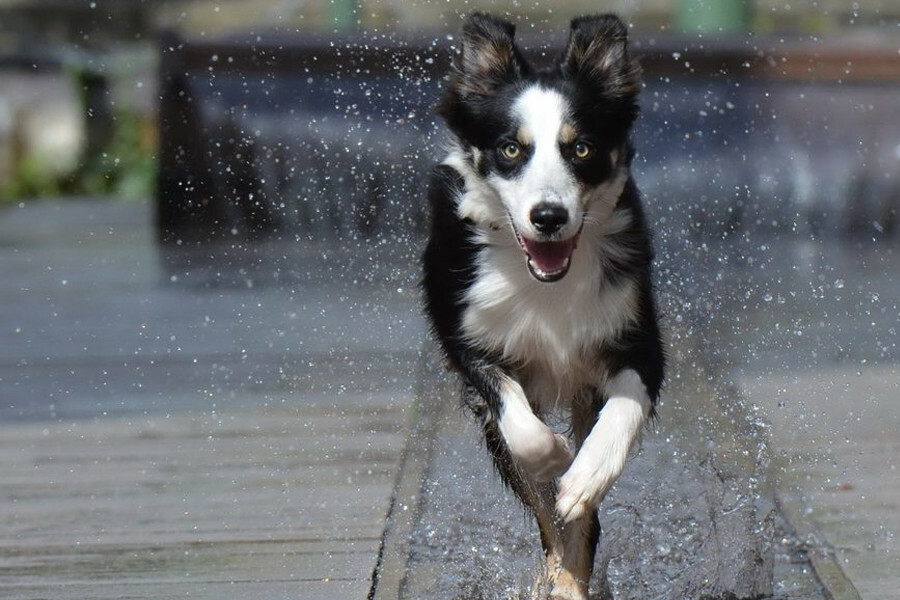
<point x="536" y="449"/>
<point x="555" y="461"/>
<point x="582" y="488"/>
<point x="569" y="591"/>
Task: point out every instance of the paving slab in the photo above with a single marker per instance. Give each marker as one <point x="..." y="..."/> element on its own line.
<point x="818" y="360"/>
<point x="262" y="422"/>
<point x="181" y="428"/>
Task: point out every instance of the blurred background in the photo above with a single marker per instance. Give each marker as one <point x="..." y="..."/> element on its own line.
<point x="216" y="208"/>
<point x="92" y="69"/>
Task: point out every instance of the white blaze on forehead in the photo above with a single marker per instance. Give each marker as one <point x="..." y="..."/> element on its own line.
<point x="542" y="120"/>
<point x="543" y="117"/>
<point x="542" y="114"/>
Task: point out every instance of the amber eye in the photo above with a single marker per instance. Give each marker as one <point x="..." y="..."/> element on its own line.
<point x="511" y="150"/>
<point x="583" y="150"/>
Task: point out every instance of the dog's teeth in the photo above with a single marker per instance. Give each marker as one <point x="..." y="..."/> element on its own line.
<point x="541" y="273"/>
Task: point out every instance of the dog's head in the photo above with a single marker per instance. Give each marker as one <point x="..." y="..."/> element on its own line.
<point x="551" y="146"/>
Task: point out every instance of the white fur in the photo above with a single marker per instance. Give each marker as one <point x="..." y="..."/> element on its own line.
<point x="602" y="456"/>
<point x="536" y="449"/>
<point x="549" y="332"/>
<point x="550" y="327"/>
<point x="541" y="114"/>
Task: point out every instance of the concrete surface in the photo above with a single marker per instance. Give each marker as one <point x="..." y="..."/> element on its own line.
<point x="815" y="350"/>
<point x="264" y="425"/>
<point x="168" y="433"/>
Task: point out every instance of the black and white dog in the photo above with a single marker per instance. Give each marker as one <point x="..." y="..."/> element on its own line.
<point x="537" y="273"/>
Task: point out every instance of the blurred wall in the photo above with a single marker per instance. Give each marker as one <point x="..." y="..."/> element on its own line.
<point x="45" y="45"/>
<point x="94" y="22"/>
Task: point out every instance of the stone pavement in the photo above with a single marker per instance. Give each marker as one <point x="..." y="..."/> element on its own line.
<point x="823" y="370"/>
<point x="169" y="432"/>
<point x="261" y="425"/>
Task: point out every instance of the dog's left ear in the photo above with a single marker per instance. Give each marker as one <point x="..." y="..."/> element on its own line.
<point x="597" y="52"/>
<point x="488" y="57"/>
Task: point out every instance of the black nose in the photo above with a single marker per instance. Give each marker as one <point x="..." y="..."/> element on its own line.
<point x="548" y="218"/>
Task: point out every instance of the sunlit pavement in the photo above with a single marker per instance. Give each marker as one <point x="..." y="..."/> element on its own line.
<point x="201" y="433"/>
<point x="823" y="371"/>
<point x="258" y="429"/>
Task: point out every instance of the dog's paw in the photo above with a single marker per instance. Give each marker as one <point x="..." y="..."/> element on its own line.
<point x="602" y="457"/>
<point x="555" y="461"/>
<point x="535" y="448"/>
<point x="568" y="587"/>
<point x="583" y="486"/>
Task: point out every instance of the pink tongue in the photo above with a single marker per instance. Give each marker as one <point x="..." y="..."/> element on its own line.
<point x="550" y="257"/>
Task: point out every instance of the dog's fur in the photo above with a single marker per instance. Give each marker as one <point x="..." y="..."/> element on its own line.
<point x="537" y="274"/>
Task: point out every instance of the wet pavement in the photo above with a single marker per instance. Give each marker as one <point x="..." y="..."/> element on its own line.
<point x="268" y="426"/>
<point x="692" y="517"/>
<point x="823" y="373"/>
<point x="191" y="430"/>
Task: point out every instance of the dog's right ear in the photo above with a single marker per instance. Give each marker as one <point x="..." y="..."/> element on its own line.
<point x="597" y="53"/>
<point x="488" y="57"/>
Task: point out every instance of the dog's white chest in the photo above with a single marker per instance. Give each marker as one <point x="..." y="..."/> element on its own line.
<point x="553" y="326"/>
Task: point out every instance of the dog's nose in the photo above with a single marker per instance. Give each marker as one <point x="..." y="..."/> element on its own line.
<point x="548" y="218"/>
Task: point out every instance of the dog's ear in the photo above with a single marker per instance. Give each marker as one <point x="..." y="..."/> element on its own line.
<point x="597" y="53"/>
<point x="488" y="57"/>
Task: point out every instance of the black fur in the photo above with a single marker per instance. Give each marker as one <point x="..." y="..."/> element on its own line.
<point x="601" y="83"/>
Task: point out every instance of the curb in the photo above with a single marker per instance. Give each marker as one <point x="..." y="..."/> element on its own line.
<point x="823" y="561"/>
<point x="390" y="570"/>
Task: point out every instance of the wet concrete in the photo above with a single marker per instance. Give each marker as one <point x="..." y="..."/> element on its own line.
<point x="819" y="359"/>
<point x="187" y="426"/>
<point x="283" y="380"/>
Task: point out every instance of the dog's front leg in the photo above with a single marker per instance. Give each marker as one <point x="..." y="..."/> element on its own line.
<point x="602" y="457"/>
<point x="536" y="449"/>
<point x="596" y="467"/>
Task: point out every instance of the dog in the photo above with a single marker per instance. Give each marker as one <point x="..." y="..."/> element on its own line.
<point x="537" y="272"/>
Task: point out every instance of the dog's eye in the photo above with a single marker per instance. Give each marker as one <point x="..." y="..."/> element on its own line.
<point x="583" y="150"/>
<point x="511" y="150"/>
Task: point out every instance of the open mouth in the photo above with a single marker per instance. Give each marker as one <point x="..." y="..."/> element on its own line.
<point x="548" y="261"/>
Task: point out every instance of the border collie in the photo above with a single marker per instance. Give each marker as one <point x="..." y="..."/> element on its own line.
<point x="537" y="274"/>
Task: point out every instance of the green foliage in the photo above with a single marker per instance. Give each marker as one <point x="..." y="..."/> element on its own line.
<point x="125" y="167"/>
<point x="29" y="179"/>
